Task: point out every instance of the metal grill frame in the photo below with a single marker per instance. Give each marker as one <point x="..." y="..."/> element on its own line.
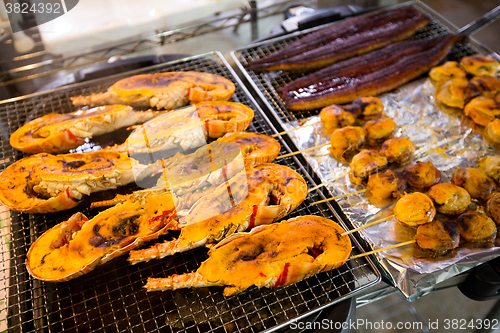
<point x="111" y="297"/>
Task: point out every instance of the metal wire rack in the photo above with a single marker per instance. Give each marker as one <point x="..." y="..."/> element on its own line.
<point x="111" y="297"/>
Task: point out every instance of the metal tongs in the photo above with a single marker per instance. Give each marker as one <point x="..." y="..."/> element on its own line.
<point x="480" y="23"/>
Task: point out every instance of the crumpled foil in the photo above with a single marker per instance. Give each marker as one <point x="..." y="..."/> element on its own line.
<point x="439" y="136"/>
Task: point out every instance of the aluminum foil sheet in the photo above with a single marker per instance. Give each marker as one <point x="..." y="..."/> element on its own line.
<point x="439" y="136"/>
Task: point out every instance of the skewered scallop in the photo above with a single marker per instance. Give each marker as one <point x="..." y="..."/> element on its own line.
<point x="379" y="130"/>
<point x="335" y="116"/>
<point x="491" y="166"/>
<point x="493" y="207"/>
<point x="367" y="108"/>
<point x="493" y="130"/>
<point x="449" y="198"/>
<point x="398" y="150"/>
<point x="447" y="71"/>
<point x="475" y="181"/>
<point x="455" y="92"/>
<point x="438" y="236"/>
<point x="488" y="86"/>
<point x="415" y="209"/>
<point x="483" y="109"/>
<point x="346" y="142"/>
<point x="387" y="184"/>
<point x="476" y="228"/>
<point x="365" y="163"/>
<point x="422" y="175"/>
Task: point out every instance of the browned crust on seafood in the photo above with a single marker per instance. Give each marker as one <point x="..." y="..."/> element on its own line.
<point x="438" y="236"/>
<point x="338" y="85"/>
<point x="344" y="40"/>
<point x="256" y="148"/>
<point x="18" y="182"/>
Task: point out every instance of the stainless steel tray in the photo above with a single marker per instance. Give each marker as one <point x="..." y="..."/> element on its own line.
<point x="413" y="280"/>
<point x="111" y="297"/>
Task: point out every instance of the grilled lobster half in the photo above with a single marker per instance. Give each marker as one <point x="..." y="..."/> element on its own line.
<point x="56" y="133"/>
<point x="45" y="183"/>
<point x="169" y="90"/>
<point x="270" y="256"/>
<point x="188" y="127"/>
<point x="73" y="248"/>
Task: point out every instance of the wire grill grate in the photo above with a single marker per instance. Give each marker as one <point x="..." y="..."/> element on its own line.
<point x="111" y="297"/>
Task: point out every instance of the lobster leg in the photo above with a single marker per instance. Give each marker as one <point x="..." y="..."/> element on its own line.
<point x="190" y="280"/>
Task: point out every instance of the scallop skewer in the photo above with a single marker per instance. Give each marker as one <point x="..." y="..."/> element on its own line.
<point x="437" y="236"/>
<point x="447" y="198"/>
<point x="442" y="236"/>
<point x="396" y="150"/>
<point x="411" y="209"/>
<point x="421" y="176"/>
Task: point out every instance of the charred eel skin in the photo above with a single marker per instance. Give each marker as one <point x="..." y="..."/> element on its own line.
<point x="368" y="75"/>
<point x="344" y="40"/>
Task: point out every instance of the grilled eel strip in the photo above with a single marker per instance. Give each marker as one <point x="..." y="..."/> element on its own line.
<point x="344" y="40"/>
<point x="367" y="75"/>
